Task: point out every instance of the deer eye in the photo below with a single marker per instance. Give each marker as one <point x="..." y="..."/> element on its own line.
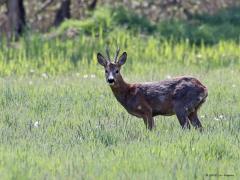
<point x="106" y="71"/>
<point x="117" y="71"/>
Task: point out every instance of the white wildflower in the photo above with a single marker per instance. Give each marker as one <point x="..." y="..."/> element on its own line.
<point x="199" y="56"/>
<point x="216" y="119"/>
<point x="221" y="116"/>
<point x="168" y="76"/>
<point x="85" y="76"/>
<point x="36" y="124"/>
<point x="93" y="76"/>
<point x="44" y="75"/>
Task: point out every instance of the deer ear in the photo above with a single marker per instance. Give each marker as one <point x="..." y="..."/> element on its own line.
<point x="101" y="59"/>
<point x="122" y="59"/>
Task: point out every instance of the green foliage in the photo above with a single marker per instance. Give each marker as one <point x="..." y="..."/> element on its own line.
<point x="132" y="21"/>
<point x="109" y="19"/>
<point x="100" y="19"/>
<point x="228" y="15"/>
<point x="207" y="29"/>
<point x="198" y="33"/>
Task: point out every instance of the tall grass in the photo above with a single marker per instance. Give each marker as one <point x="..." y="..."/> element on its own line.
<point x="57" y="56"/>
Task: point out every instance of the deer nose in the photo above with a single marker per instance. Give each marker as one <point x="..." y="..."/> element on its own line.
<point x="111" y="81"/>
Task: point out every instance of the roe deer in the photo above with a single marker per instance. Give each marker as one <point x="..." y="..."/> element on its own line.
<point x="181" y="96"/>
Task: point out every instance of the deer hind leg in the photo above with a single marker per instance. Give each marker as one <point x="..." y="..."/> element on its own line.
<point x="182" y="116"/>
<point x="193" y="117"/>
<point x="195" y="121"/>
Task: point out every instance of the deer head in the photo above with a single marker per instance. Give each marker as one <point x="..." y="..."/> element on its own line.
<point x="112" y="69"/>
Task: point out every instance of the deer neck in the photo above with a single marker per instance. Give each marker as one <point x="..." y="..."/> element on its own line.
<point x="120" y="90"/>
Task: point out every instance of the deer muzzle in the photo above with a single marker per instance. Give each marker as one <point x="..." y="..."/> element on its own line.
<point x="110" y="79"/>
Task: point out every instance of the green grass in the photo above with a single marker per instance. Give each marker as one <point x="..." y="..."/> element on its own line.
<point x="84" y="133"/>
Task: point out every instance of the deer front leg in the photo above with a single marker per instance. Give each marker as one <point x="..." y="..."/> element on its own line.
<point x="145" y="112"/>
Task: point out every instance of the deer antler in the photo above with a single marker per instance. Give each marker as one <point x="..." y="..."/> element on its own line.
<point x="116" y="55"/>
<point x="108" y="54"/>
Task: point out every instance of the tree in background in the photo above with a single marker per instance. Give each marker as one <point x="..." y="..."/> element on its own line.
<point x="16" y="17"/>
<point x="92" y="5"/>
<point x="63" y="12"/>
<point x="41" y="15"/>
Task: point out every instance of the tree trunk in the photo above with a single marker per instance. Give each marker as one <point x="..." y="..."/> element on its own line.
<point x="16" y="16"/>
<point x="63" y="12"/>
<point x="92" y="5"/>
<point x="5" y="30"/>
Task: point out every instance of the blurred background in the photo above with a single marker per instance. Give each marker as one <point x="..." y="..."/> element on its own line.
<point x="44" y="14"/>
<point x="28" y="25"/>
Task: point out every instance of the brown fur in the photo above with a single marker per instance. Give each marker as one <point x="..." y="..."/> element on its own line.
<point x="181" y="96"/>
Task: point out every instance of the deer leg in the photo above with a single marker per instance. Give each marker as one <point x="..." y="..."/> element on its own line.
<point x="145" y="112"/>
<point x="149" y="122"/>
<point x="145" y="120"/>
<point x="195" y="121"/>
<point x="183" y="119"/>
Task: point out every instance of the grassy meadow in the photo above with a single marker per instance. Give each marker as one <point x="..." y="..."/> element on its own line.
<point x="60" y="120"/>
